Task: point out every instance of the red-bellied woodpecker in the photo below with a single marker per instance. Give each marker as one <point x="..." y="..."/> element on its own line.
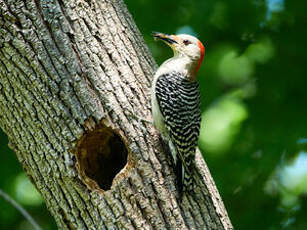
<point x="176" y="102"/>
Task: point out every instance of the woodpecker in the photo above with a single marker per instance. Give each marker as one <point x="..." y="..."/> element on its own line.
<point x="176" y="102"/>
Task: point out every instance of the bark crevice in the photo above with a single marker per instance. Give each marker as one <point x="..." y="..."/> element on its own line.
<point x="101" y="154"/>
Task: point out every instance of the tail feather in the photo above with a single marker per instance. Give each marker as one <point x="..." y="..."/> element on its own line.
<point x="179" y="174"/>
<point x="187" y="169"/>
<point x="183" y="169"/>
<point x="187" y="182"/>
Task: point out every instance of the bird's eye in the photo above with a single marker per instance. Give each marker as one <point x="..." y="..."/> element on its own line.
<point x="186" y="42"/>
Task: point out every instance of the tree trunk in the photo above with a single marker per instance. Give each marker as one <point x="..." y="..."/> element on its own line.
<point x="70" y="73"/>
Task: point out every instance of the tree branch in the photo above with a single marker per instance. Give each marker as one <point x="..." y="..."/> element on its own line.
<point x="20" y="209"/>
<point x="70" y="73"/>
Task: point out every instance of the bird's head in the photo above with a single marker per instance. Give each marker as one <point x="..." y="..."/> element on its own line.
<point x="184" y="45"/>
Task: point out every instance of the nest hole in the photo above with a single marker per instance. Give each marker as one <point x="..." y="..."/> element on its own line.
<point x="101" y="155"/>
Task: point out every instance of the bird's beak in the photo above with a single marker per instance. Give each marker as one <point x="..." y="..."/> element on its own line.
<point x="168" y="39"/>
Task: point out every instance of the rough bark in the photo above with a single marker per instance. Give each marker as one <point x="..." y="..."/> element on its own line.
<point x="70" y="72"/>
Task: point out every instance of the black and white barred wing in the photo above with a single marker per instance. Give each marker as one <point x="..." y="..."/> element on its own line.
<point x="179" y="102"/>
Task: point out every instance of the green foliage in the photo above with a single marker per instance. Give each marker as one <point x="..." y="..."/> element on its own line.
<point x="17" y="185"/>
<point x="254" y="102"/>
<point x="253" y="83"/>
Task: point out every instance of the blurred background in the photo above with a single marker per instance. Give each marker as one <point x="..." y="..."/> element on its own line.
<point x="254" y="103"/>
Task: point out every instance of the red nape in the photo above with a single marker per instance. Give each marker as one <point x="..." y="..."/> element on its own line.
<point x="202" y="54"/>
